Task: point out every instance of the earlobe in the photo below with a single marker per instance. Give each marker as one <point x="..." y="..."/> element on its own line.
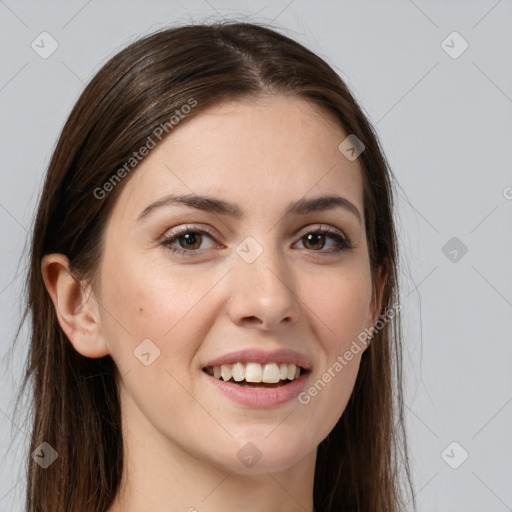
<point x="75" y="306"/>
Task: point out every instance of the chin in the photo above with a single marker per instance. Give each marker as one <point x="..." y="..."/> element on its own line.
<point x="259" y="455"/>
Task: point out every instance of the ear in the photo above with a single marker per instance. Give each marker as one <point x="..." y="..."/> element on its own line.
<point x="378" y="292"/>
<point x="76" y="307"/>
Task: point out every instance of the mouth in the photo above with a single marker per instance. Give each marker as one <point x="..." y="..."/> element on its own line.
<point x="256" y="375"/>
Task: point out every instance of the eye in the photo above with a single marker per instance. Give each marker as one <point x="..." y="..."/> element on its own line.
<point x="316" y="240"/>
<point x="189" y="238"/>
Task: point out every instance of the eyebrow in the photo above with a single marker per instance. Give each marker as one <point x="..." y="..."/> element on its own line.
<point x="214" y="205"/>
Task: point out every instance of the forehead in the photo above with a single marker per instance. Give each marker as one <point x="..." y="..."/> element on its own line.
<point x="262" y="153"/>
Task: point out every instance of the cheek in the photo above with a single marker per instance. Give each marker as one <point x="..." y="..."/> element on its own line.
<point x="153" y="301"/>
<point x="338" y="305"/>
<point x="149" y="317"/>
<point x="340" y="301"/>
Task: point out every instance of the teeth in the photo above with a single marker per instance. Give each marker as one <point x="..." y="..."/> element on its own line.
<point x="238" y="372"/>
<point x="253" y="372"/>
<point x="270" y="373"/>
<point x="225" y="372"/>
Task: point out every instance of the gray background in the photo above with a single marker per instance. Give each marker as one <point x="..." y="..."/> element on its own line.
<point x="445" y="126"/>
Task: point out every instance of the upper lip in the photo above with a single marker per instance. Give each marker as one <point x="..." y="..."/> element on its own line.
<point x="262" y="357"/>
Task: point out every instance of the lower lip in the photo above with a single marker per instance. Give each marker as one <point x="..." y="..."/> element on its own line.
<point x="260" y="397"/>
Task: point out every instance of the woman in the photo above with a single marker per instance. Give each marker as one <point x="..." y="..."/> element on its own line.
<point x="213" y="249"/>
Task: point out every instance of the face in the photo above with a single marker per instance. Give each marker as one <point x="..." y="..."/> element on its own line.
<point x="183" y="285"/>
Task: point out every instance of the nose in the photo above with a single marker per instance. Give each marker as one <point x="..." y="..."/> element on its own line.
<point x="263" y="293"/>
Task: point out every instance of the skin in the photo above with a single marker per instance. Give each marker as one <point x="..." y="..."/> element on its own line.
<point x="182" y="436"/>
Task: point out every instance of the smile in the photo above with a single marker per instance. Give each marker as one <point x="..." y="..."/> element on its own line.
<point x="246" y="374"/>
<point x="258" y="385"/>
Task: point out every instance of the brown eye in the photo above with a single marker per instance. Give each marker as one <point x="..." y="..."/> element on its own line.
<point x="192" y="240"/>
<point x="325" y="241"/>
<point x="189" y="241"/>
<point x="314" y="241"/>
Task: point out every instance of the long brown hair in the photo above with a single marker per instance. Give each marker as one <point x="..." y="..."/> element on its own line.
<point x="75" y="403"/>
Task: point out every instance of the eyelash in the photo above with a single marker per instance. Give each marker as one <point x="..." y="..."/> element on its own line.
<point x="344" y="244"/>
